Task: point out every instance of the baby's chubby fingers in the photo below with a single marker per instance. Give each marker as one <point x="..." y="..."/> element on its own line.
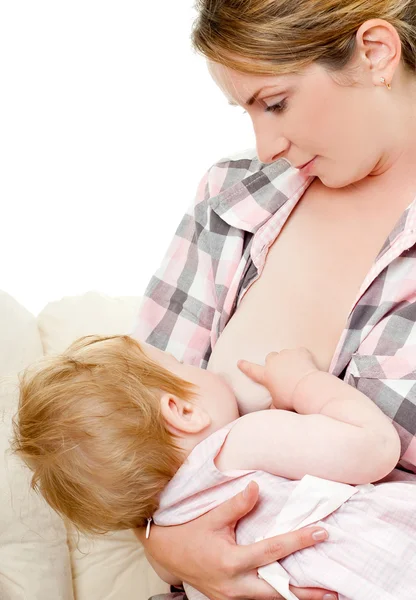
<point x="256" y="372"/>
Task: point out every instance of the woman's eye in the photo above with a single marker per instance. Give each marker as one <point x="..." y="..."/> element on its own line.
<point x="280" y="107"/>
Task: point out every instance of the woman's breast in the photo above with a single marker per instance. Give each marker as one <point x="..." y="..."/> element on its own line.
<point x="277" y="312"/>
<point x="240" y="339"/>
<point x="303" y="297"/>
<point x="288" y="306"/>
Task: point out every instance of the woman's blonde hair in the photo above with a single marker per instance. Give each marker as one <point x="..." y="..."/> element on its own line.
<point x="279" y="37"/>
<point x="90" y="428"/>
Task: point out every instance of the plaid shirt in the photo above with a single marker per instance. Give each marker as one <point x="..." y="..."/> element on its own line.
<point x="220" y="248"/>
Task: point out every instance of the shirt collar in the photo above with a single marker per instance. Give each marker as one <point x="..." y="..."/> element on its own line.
<point x="249" y="202"/>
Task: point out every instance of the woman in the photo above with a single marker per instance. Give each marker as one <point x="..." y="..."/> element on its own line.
<point x="273" y="257"/>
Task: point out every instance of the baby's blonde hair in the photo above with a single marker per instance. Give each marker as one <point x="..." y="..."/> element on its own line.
<point x="89" y="426"/>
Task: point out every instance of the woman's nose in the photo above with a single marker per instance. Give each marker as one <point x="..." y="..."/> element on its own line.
<point x="270" y="144"/>
<point x="271" y="150"/>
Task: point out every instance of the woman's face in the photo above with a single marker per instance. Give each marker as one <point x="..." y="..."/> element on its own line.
<point x="298" y="117"/>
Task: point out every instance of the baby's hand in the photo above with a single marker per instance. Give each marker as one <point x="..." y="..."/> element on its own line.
<point x="281" y="373"/>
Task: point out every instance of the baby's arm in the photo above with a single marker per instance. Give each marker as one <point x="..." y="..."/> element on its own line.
<point x="336" y="432"/>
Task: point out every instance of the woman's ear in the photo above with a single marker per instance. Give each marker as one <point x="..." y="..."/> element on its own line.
<point x="183" y="416"/>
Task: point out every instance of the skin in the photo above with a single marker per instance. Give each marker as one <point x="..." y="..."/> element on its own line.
<point x="364" y="138"/>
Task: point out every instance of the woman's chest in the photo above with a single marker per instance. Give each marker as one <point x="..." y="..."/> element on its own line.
<point x="312" y="275"/>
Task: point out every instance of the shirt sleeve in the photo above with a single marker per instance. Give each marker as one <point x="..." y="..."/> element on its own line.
<point x="178" y="307"/>
<point x="390" y="381"/>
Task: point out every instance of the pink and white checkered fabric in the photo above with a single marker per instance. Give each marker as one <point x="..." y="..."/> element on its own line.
<point x="371" y="551"/>
<point x="220" y="248"/>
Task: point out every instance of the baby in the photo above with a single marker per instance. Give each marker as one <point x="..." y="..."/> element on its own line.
<point x="118" y="433"/>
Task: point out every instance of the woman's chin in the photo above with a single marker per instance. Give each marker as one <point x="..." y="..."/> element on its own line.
<point x="336" y="183"/>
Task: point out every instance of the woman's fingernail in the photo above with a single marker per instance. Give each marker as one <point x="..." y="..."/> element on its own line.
<point x="320" y="536"/>
<point x="246" y="490"/>
<point x="330" y="597"/>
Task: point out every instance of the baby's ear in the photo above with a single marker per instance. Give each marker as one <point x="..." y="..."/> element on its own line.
<point x="183" y="416"/>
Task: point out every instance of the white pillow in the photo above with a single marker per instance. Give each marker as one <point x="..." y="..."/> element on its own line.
<point x="62" y="322"/>
<point x="113" y="566"/>
<point x="34" y="555"/>
<point x="20" y="343"/>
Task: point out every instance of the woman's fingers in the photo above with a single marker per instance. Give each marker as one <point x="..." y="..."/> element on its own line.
<point x="242" y="562"/>
<point x="251" y="586"/>
<point x="278" y="547"/>
<point x="313" y="593"/>
<point x="252" y="370"/>
<point x="218" y="567"/>
<point x="229" y="512"/>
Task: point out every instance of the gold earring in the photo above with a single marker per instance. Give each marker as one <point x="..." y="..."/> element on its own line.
<point x="383" y="80"/>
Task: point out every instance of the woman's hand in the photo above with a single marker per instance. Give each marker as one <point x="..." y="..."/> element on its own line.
<point x="204" y="553"/>
<point x="281" y="374"/>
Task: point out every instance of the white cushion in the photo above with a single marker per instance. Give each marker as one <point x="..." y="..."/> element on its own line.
<point x="34" y="554"/>
<point x="111" y="566"/>
<point x="20" y="342"/>
<point x="63" y="321"/>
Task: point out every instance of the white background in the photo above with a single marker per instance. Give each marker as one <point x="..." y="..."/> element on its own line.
<point x="108" y="121"/>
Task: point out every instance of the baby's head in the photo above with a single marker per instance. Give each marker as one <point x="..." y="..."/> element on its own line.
<point x="105" y="426"/>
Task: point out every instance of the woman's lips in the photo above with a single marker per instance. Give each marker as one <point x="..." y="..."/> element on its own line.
<point x="307" y="165"/>
<point x="304" y="165"/>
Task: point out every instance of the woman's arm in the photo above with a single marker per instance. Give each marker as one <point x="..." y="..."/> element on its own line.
<point x="158" y="569"/>
<point x="204" y="553"/>
<point x="339" y="433"/>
